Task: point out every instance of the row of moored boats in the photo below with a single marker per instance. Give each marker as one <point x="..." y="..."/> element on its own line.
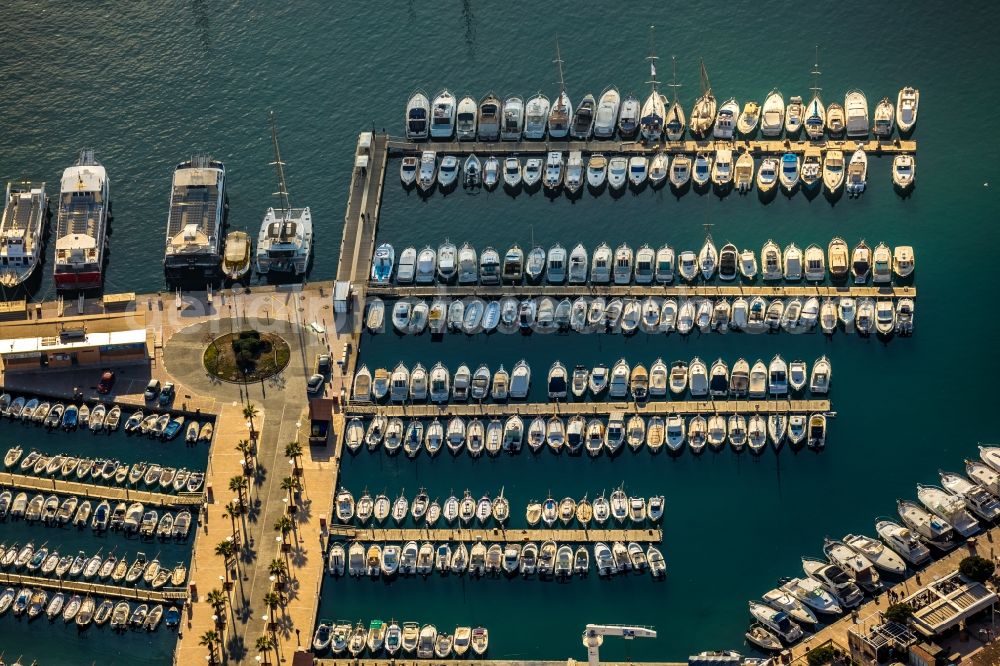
<point x="756" y="314"/>
<point x="86" y="610"/>
<point x="102" y="418"/>
<point x="941" y="518"/>
<point x="548" y="560"/>
<point x="596" y="436"/>
<point x="725" y="169"/>
<point x="153" y="476"/>
<point x="410" y="638"/>
<point x="621" y="380"/>
<point x="644" y="266"/>
<point x="47" y="562"/>
<point x="465" y="511"/>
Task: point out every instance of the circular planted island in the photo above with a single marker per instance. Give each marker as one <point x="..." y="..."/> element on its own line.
<point x="246" y="356"/>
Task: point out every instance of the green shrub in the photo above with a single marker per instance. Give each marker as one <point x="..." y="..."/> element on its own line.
<point x="824" y="654"/>
<point x="976" y="568"/>
<point x="899" y="613"/>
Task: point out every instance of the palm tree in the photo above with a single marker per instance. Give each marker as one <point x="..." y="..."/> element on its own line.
<point x="283" y="525"/>
<point x="249" y="412"/>
<point x="291" y="484"/>
<point x="233" y="511"/>
<point x="272" y="600"/>
<point x="209" y="639"/>
<point x="246" y="448"/>
<point x="226" y="549"/>
<point x="217" y="599"/>
<point x="278" y="569"/>
<point x="264" y="643"/>
<point x="238" y="484"/>
<point x="293" y="450"/>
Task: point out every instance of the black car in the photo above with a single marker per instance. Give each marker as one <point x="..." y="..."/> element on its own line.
<point x="315" y="384"/>
<point x="324" y="365"/>
<point x="152" y="389"/>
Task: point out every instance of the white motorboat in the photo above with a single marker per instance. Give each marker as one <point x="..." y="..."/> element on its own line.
<point x="907" y="103"/>
<point x="875" y="551"/>
<point x="789" y="174"/>
<point x="813" y="595"/>
<point x="793" y="115"/>
<point x="574" y="172"/>
<point x="725" y="121"/>
<point x="553" y="170"/>
<point x="749" y="118"/>
<point x="767" y="175"/>
<point x="834" y="580"/>
<point x="465" y="119"/>
<point x="884" y="119"/>
<point x="904" y="171"/>
<point x="854" y="563"/>
<point x="618" y="172"/>
<point x="702" y="172"/>
<point x="427" y="175"/>
<point x="628" y="117"/>
<point x="536" y="117"/>
<point x="782" y="600"/>
<point x="491" y="172"/>
<point x="856" y="112"/>
<point x="948" y="507"/>
<point x="597" y="171"/>
<point x="708" y="259"/>
<point x="680" y="171"/>
<point x="512" y="121"/>
<point x="606" y="117"/>
<point x="722" y="167"/>
<point x="638" y="169"/>
<point x="977" y="499"/>
<point x="532" y="172"/>
<point x="24" y="219"/>
<point x="904" y="542"/>
<point x="577" y="272"/>
<point x="857" y="173"/>
<point x="776" y="621"/>
<point x="443" y="110"/>
<point x="772" y="117"/>
<point x="418" y="111"/>
<point x="930" y="527"/>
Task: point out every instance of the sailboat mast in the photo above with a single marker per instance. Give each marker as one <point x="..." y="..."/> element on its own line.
<point x="706" y="85"/>
<point x="282" y="192"/>
<point x="815" y="72"/>
<point x="652" y="57"/>
<point x="559" y="64"/>
<point x="674" y="86"/>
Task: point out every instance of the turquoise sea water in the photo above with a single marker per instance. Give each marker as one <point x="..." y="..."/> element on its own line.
<point x="150" y="85"/>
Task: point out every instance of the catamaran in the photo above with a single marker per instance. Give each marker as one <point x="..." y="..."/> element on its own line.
<point x="285" y="239"/>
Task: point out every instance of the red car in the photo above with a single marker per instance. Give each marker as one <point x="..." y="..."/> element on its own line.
<point x="107" y="381"/>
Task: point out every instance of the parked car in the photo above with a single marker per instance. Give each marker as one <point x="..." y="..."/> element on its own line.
<point x="315" y="384"/>
<point x="152" y="390"/>
<point x="323" y="365"/>
<point x="167" y="394"/>
<point x="107" y="382"/>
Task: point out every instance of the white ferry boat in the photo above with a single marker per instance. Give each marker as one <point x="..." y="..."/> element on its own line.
<point x="82" y="224"/>
<point x="25" y="213"/>
<point x="195" y="220"/>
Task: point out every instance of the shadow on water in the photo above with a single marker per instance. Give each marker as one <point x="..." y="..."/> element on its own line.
<point x="470" y="28"/>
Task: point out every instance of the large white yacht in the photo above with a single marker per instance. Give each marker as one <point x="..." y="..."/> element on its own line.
<point x="82" y="224"/>
<point x="24" y="216"/>
<point x="195" y="219"/>
<point x="285" y="239"/>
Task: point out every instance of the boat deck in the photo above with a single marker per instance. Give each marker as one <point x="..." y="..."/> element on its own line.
<point x="90" y="491"/>
<point x="164" y="595"/>
<point x="398" y="146"/>
<point x="649" y="408"/>
<point x="23" y="216"/>
<point x="350" y="661"/>
<point x="640" y="291"/>
<point x="496" y="534"/>
<point x="196" y="199"/>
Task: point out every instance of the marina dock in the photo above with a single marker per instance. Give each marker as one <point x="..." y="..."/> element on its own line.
<point x="638" y="291"/>
<point x="165" y="595"/>
<point x="649" y="408"/>
<point x="497" y="534"/>
<point x="475" y="662"/>
<point x="398" y="146"/>
<point x="89" y="491"/>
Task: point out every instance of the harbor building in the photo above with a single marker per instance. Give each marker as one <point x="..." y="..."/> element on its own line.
<point x="97" y="341"/>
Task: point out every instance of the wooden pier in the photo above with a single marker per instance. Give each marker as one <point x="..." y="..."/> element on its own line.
<point x="638" y="291"/>
<point x="648" y="408"/>
<point x="496" y="534"/>
<point x="398" y="146"/>
<point x="164" y="595"/>
<point x="89" y="491"/>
